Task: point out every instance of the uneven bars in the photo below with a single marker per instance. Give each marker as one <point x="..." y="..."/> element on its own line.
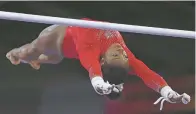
<point x="98" y="25"/>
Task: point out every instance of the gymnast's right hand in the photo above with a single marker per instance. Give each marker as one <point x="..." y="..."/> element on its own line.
<point x="101" y="87"/>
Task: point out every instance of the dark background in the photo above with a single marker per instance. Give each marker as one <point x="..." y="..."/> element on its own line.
<point x="65" y="88"/>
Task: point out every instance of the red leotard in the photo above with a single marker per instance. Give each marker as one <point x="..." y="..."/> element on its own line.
<point x="87" y="45"/>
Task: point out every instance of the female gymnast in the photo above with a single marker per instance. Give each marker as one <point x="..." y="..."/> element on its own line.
<point x="103" y="53"/>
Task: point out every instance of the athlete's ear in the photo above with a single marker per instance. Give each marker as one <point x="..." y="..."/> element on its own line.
<point x="102" y="61"/>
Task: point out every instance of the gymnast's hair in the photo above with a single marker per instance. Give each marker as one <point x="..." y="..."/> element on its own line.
<point x="114" y="74"/>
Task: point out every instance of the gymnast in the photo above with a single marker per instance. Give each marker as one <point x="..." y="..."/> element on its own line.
<point x="103" y="53"/>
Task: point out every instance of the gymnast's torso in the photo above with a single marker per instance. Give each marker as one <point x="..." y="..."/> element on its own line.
<point x="77" y="38"/>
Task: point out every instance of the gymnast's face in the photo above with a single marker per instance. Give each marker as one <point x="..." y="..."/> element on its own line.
<point x="115" y="55"/>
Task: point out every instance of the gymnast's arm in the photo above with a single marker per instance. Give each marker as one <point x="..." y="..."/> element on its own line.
<point x="150" y="78"/>
<point x="89" y="58"/>
<point x="155" y="81"/>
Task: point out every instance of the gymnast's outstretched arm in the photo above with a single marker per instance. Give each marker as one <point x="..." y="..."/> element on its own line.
<point x="156" y="82"/>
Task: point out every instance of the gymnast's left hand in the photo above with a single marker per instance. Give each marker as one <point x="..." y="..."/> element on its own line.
<point x="172" y="97"/>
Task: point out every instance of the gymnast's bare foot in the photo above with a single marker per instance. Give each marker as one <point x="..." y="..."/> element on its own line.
<point x="24" y="54"/>
<point x="46" y="48"/>
<point x="11" y="55"/>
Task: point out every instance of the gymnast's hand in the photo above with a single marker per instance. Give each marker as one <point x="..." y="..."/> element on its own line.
<point x="172" y="97"/>
<point x="101" y="87"/>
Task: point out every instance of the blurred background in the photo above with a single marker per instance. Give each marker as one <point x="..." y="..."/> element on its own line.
<point x="66" y="88"/>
